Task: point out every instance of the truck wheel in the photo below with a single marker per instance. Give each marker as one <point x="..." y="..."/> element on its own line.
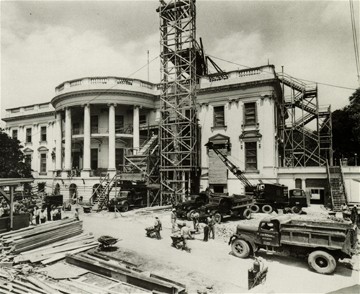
<point x="255" y="208"/>
<point x="125" y="207"/>
<point x="217" y="217"/>
<point x="322" y="262"/>
<point x="296" y="209"/>
<point x="246" y="213"/>
<point x="267" y="208"/>
<point x="240" y="248"/>
<point x="189" y="215"/>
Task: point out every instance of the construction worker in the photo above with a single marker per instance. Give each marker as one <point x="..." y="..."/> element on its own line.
<point x="173" y="220"/>
<point x="157" y="227"/>
<point x="211" y="224"/>
<point x="195" y="219"/>
<point x="185" y="234"/>
<point x="53" y="213"/>
<point x="37" y="212"/>
<point x="345" y="211"/>
<point x="42" y="216"/>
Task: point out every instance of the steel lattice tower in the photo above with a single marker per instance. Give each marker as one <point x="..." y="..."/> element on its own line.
<point x="178" y="126"/>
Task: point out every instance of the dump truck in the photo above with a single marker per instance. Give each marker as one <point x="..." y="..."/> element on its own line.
<point x="271" y="197"/>
<point x="187" y="208"/>
<point x="322" y="243"/>
<point x="268" y="196"/>
<point x="222" y="206"/>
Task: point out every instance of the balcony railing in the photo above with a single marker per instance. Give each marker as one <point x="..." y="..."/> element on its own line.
<point x="105" y="82"/>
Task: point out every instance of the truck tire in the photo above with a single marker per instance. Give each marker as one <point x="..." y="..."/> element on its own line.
<point x="296" y="209"/>
<point x="267" y="208"/>
<point x="255" y="208"/>
<point x="322" y="262"/>
<point x="217" y="217"/>
<point x="125" y="207"/>
<point x="246" y="213"/>
<point x="190" y="214"/>
<point x="240" y="248"/>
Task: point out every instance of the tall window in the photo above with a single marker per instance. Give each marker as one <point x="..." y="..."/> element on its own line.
<point x="94" y="124"/>
<point x="250" y="114"/>
<point x="15" y="134"/>
<point x="142" y="119"/>
<point x="94" y="158"/>
<point x="43" y="134"/>
<point x="119" y="123"/>
<point x="28" y="135"/>
<point x="43" y="163"/>
<point x="250" y="156"/>
<point x="219" y="116"/>
<point x="119" y="158"/>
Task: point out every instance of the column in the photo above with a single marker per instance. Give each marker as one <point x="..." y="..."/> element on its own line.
<point x="58" y="145"/>
<point x="136" y="131"/>
<point x="111" y="165"/>
<point x="68" y="139"/>
<point x="87" y="139"/>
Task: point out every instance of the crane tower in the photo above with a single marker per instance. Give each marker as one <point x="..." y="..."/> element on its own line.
<point x="178" y="126"/>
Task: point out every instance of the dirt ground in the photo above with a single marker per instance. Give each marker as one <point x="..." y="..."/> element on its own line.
<point x="210" y="267"/>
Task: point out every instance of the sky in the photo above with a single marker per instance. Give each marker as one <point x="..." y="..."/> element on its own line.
<point x="44" y="43"/>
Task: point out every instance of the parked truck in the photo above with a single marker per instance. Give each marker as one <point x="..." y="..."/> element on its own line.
<point x="271" y="197"/>
<point x="268" y="197"/>
<point x="187" y="208"/>
<point x="131" y="194"/>
<point x="221" y="206"/>
<point x="322" y="242"/>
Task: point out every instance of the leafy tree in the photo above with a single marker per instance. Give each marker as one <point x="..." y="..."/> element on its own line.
<point x="346" y="130"/>
<point x="12" y="163"/>
<point x="354" y="113"/>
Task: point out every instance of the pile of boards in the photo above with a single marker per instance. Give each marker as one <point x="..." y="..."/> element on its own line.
<point x="88" y="283"/>
<point x="45" y="243"/>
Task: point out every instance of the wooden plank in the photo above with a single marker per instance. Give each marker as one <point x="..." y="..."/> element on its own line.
<point x="49" y="253"/>
<point x="62" y="255"/>
<point x="27" y="285"/>
<point x="46" y="242"/>
<point x="42" y="285"/>
<point x="27" y="289"/>
<point x="132" y="278"/>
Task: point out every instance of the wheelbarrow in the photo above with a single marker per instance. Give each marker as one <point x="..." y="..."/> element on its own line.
<point x="106" y="242"/>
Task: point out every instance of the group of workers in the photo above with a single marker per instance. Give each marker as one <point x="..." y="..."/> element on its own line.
<point x="40" y="215"/>
<point x="184" y="231"/>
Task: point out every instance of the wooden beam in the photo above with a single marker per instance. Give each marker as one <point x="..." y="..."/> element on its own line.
<point x="6" y="196"/>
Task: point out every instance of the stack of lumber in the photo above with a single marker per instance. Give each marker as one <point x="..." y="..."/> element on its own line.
<point x="45" y="243"/>
<point x="86" y="284"/>
<point x="124" y="271"/>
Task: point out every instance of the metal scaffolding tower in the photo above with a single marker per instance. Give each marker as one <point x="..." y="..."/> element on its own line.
<point x="307" y="129"/>
<point x="178" y="126"/>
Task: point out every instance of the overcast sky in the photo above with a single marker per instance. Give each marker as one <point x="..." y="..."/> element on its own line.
<point x="44" y="43"/>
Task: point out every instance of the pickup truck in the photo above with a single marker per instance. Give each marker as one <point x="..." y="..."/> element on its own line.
<point x="187" y="208"/>
<point x="323" y="243"/>
<point x="222" y="205"/>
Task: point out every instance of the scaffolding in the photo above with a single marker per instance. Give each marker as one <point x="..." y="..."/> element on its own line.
<point x="178" y="126"/>
<point x="306" y="126"/>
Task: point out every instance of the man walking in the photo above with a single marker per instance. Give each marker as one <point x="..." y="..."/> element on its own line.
<point x="157" y="227"/>
<point x="211" y="224"/>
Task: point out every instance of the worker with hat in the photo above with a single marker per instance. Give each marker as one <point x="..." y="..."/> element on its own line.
<point x="173" y="220"/>
<point x="157" y="228"/>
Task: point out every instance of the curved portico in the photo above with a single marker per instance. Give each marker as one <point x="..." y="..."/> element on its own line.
<point x="101" y="112"/>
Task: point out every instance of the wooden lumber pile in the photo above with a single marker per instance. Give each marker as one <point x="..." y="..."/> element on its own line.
<point x="89" y="283"/>
<point x="45" y="243"/>
<point x="108" y="266"/>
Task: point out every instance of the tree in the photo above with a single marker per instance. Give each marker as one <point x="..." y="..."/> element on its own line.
<point x="346" y="130"/>
<point x="12" y="163"/>
<point x="354" y="113"/>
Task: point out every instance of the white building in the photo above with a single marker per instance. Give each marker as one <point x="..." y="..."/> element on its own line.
<point x="93" y="123"/>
